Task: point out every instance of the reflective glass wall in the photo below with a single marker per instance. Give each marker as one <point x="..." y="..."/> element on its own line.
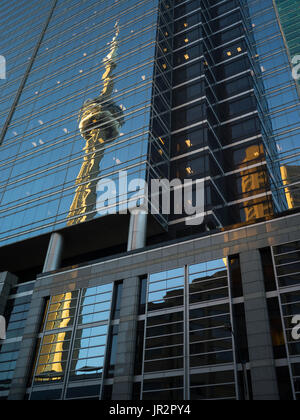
<point x="16" y="313"/>
<point x="75" y="343"/>
<point x="189" y="348"/>
<point x="186" y="89"/>
<point x="85" y="111"/>
<point x="22" y="31"/>
<point x="289" y="17"/>
<point x="222" y="130"/>
<point x="286" y="258"/>
<point x="281" y="93"/>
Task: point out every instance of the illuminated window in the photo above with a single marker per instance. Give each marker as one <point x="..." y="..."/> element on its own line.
<point x="186" y="40"/>
<point x="229" y="53"/>
<point x="189" y="170"/>
<point x="188" y="143"/>
<point x="239" y="49"/>
<point x="186" y="56"/>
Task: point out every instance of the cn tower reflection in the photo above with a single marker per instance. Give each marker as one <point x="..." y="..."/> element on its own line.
<point x="99" y="123"/>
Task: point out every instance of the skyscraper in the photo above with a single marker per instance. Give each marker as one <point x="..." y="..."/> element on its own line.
<point x="101" y="99"/>
<point x="288" y="12"/>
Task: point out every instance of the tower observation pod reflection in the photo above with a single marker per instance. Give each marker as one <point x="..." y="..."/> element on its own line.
<point x="100" y="121"/>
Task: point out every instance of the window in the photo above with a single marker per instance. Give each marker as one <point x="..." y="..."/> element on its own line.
<point x="235" y="276"/>
<point x="74" y="340"/>
<point x="195" y="328"/>
<point x="118" y="289"/>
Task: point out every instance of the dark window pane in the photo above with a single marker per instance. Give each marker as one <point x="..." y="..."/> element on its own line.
<point x="163" y="383"/>
<point x="215" y="392"/>
<point x="235" y="276"/>
<point x="84" y="391"/>
<point x="54" y="394"/>
<point x="268" y="269"/>
<point x="163" y="353"/>
<point x="161" y="365"/>
<point x="171" y="395"/>
<point x="212" y="359"/>
<point x="278" y="339"/>
<point x="167" y="340"/>
<point x="139" y="348"/>
<point x="118" y="289"/>
<point x="284" y="383"/>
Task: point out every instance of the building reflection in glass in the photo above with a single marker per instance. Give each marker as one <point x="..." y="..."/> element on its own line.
<point x="290" y="176"/>
<point x="100" y="121"/>
<point x="90" y="342"/>
<point x="85" y="355"/>
<point x="88" y="355"/>
<point x="255" y="180"/>
<point x="51" y="364"/>
<point x="209" y="341"/>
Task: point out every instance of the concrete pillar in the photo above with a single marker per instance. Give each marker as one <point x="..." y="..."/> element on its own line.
<point x="7" y="281"/>
<point x="137" y="229"/>
<point x="262" y="363"/>
<point x="124" y="366"/>
<point x="54" y="253"/>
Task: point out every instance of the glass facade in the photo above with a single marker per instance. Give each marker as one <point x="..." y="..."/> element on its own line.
<point x="22" y="34"/>
<point x="73" y="345"/>
<point x="287" y="268"/>
<point x="189" y="351"/>
<point x="188" y="89"/>
<point x="197" y="90"/>
<point x="16" y="312"/>
<point x="289" y="17"/>
<point x="281" y="94"/>
<point x="191" y="334"/>
<point x="230" y="67"/>
<point x="85" y="112"/>
<point x="220" y="127"/>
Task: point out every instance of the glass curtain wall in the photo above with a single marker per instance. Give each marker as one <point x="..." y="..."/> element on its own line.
<point x="281" y="93"/>
<point x="16" y="312"/>
<point x="221" y="127"/>
<point x="72" y="350"/>
<point x="189" y="351"/>
<point x="99" y="84"/>
<point x="22" y="32"/>
<point x="286" y="260"/>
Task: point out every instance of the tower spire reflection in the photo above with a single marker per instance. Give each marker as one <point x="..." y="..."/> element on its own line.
<point x="100" y="121"/>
